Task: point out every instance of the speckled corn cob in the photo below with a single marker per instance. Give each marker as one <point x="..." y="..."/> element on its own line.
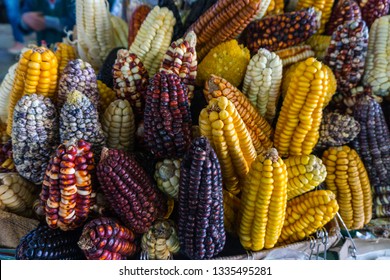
<point x="372" y="143"/>
<point x="324" y="6"/>
<point x="200" y="225"/>
<point x="78" y="75"/>
<point x="130" y="80"/>
<point x="181" y="59"/>
<point x="373" y="9"/>
<point x="153" y="38"/>
<point x="105" y="72"/>
<point x="161" y="241"/>
<point x="294" y="54"/>
<point x="136" y="19"/>
<point x="259" y="129"/>
<point x="167" y="176"/>
<point x="224" y="21"/>
<point x="34" y="136"/>
<point x="16" y="194"/>
<point x="167" y="116"/>
<point x="106" y="94"/>
<point x="297" y="129"/>
<point x="344" y="11"/>
<point x="263" y="202"/>
<point x="79" y="119"/>
<point x="129" y="191"/>
<point x="105" y="239"/>
<point x="307" y="213"/>
<point x="346" y="54"/>
<point x="228" y="135"/>
<point x="118" y="126"/>
<point x="5" y="92"/>
<point x="44" y="243"/>
<point x="275" y="7"/>
<point x="6" y="158"/>
<point x="281" y="31"/>
<point x="262" y="82"/>
<point x="337" y="130"/>
<point x="67" y="194"/>
<point x="319" y="44"/>
<point x="348" y="180"/>
<point x="378" y="58"/>
<point x="227" y="60"/>
<point x="231" y="209"/>
<point x="36" y="73"/>
<point x="304" y="174"/>
<point x="64" y="54"/>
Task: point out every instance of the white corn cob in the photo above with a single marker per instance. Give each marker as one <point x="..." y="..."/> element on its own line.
<point x="377" y="68"/>
<point x="295" y="54"/>
<point x="118" y="125"/>
<point x="95" y="35"/>
<point x="5" y="92"/>
<point x="262" y="82"/>
<point x="262" y="9"/>
<point x="16" y="194"/>
<point x="153" y="38"/>
<point x="121" y="31"/>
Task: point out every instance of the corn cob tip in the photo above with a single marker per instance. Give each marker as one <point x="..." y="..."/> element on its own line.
<point x="104" y="153"/>
<point x="272" y="154"/>
<point x="190" y="37"/>
<point x="75" y="97"/>
<point x="85" y="243"/>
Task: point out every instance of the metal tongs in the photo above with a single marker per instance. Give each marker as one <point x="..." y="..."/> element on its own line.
<point x="351" y="249"/>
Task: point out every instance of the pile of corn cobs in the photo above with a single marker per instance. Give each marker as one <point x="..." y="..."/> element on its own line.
<point x="280" y="127"/>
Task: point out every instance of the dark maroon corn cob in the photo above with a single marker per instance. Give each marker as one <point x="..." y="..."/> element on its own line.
<point x="78" y="75"/>
<point x="201" y="228"/>
<point x="44" y="243"/>
<point x="347" y="53"/>
<point x="130" y="80"/>
<point x="281" y="31"/>
<point x="129" y="191"/>
<point x="67" y="195"/>
<point x="373" y="145"/>
<point x="105" y="239"/>
<point x="373" y="9"/>
<point x="167" y="123"/>
<point x="346" y="10"/>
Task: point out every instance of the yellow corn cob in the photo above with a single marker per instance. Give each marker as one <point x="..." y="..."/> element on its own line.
<point x="295" y="54"/>
<point x="264" y="5"/>
<point x="16" y="194"/>
<point x="377" y="64"/>
<point x="167" y="176"/>
<point x="153" y="38"/>
<point x="121" y="31"/>
<point x="304" y="174"/>
<point x="231" y="208"/>
<point x="307" y="213"/>
<point x="118" y="125"/>
<point x="107" y="95"/>
<point x="263" y="202"/>
<point x="319" y="44"/>
<point x="259" y="129"/>
<point x="95" y="34"/>
<point x="160" y="241"/>
<point x="262" y="82"/>
<point x="222" y="125"/>
<point x="227" y="60"/>
<point x="297" y="129"/>
<point x="348" y="179"/>
<point x="275" y="7"/>
<point x="5" y="91"/>
<point x="64" y="53"/>
<point x="323" y="6"/>
<point x="36" y="73"/>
